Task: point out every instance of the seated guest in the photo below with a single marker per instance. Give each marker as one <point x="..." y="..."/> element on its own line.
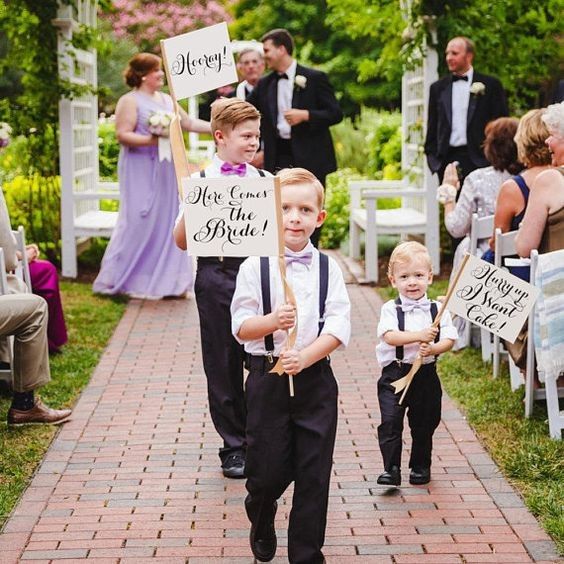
<point x="45" y="283"/>
<point x="514" y="193"/>
<point x="479" y="192"/>
<point x="542" y="227"/>
<point x="24" y="316"/>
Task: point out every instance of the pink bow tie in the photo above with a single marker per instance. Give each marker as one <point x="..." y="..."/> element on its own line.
<point x="228" y="169"/>
<point x="302" y="258"/>
<point x="409" y="305"/>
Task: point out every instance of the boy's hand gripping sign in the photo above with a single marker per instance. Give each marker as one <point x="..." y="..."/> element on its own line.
<point x="487" y="296"/>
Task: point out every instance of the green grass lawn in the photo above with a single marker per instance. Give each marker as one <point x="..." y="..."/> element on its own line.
<point x="531" y="461"/>
<point x="90" y="322"/>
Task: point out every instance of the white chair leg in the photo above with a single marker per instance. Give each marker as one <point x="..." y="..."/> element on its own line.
<point x="486" y="344"/>
<point x="555" y="416"/>
<point x="496" y="351"/>
<point x="354" y="240"/>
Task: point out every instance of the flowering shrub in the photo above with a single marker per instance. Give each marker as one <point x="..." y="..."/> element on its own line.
<point x="148" y="21"/>
<point x="5" y="132"/>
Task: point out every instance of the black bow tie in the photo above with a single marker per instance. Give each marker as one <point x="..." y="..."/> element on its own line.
<point x="456" y="77"/>
<point x="280" y="75"/>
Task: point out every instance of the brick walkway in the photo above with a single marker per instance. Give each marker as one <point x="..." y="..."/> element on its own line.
<point x="134" y="477"/>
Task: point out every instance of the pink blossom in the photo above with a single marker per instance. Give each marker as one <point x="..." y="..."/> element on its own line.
<point x="146" y="22"/>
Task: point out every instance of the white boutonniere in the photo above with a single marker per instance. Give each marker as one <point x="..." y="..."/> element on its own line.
<point x="477" y="88"/>
<point x="300" y="81"/>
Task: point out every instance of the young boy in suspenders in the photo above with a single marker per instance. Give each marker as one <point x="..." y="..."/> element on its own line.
<point x="405" y="330"/>
<point x="291" y="438"/>
<point x="236" y="128"/>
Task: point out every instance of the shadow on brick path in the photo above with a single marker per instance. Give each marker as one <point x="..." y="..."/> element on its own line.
<point x="135" y="477"/>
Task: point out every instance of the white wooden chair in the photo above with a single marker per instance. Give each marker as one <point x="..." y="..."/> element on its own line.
<point x="504" y="247"/>
<point x="551" y="392"/>
<point x="5" y="374"/>
<point x="409" y="218"/>
<point x="480" y="228"/>
<point x="22" y="270"/>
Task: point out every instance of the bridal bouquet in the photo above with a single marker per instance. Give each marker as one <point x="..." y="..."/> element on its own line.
<point x="159" y="123"/>
<point x="5" y="132"/>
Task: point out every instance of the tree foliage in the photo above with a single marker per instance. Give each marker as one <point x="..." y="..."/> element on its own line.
<point x="322" y="45"/>
<point x="517" y="40"/>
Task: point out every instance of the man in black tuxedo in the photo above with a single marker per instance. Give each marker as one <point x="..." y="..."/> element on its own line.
<point x="460" y="106"/>
<point x="298" y="106"/>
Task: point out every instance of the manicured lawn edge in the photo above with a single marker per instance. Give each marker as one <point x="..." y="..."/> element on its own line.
<point x="91" y="321"/>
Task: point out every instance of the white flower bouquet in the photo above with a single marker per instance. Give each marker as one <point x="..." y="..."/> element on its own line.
<point x="5" y="133"/>
<point x="159" y="123"/>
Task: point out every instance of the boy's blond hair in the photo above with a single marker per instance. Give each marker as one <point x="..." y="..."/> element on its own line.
<point x="291" y="176"/>
<point x="405" y="252"/>
<point x="228" y="113"/>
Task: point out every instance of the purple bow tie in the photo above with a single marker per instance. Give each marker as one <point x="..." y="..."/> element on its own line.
<point x="228" y="168"/>
<point x="302" y="258"/>
<point x="409" y="305"/>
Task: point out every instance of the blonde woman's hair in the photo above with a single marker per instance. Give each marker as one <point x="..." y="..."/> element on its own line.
<point x="228" y="113"/>
<point x="407" y="251"/>
<point x="291" y="176"/>
<point x="530" y="139"/>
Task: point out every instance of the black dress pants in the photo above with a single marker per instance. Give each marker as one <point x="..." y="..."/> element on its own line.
<point x="223" y="356"/>
<point x="423" y="405"/>
<point x="291" y="439"/>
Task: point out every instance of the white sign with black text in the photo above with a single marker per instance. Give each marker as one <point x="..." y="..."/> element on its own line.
<point x="199" y="61"/>
<point x="232" y="216"/>
<point x="492" y="298"/>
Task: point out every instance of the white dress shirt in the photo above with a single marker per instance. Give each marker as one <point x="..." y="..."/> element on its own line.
<point x="242" y="89"/>
<point x="304" y="281"/>
<point x="460" y="100"/>
<point x="415" y="320"/>
<point x="285" y="93"/>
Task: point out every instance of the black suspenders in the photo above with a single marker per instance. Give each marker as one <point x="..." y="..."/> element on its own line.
<point x="401" y="325"/>
<point x="259" y="170"/>
<point x="267" y="304"/>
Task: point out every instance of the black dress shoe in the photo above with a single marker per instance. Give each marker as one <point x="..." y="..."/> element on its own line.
<point x="264" y="545"/>
<point x="390" y="478"/>
<point x="419" y="476"/>
<point x="234" y="466"/>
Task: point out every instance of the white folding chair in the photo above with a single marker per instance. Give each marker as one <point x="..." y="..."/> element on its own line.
<point x="504" y="247"/>
<point x="480" y="228"/>
<point x="551" y="392"/>
<point x="5" y="373"/>
<point x="22" y="270"/>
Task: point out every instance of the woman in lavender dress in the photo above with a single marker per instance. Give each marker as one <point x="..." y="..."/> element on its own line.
<point x="142" y="259"/>
<point x="479" y="191"/>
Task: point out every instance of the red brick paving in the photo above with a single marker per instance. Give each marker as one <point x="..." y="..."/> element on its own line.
<point x="135" y="477"/>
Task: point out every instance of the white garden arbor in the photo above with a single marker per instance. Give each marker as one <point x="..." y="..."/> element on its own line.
<point x="81" y="190"/>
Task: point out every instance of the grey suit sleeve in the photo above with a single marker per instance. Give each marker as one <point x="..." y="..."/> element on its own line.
<point x="6" y="237"/>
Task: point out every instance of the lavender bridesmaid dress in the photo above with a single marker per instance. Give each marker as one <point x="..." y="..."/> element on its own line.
<point x="142" y="259"/>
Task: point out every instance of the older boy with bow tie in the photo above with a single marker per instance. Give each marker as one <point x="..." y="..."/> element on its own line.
<point x="405" y="331"/>
<point x="235" y="125"/>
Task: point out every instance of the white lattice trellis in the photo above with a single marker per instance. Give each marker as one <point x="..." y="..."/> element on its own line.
<point x="78" y="121"/>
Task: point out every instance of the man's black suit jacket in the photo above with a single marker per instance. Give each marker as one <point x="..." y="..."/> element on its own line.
<point x="311" y="142"/>
<point x="482" y="108"/>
